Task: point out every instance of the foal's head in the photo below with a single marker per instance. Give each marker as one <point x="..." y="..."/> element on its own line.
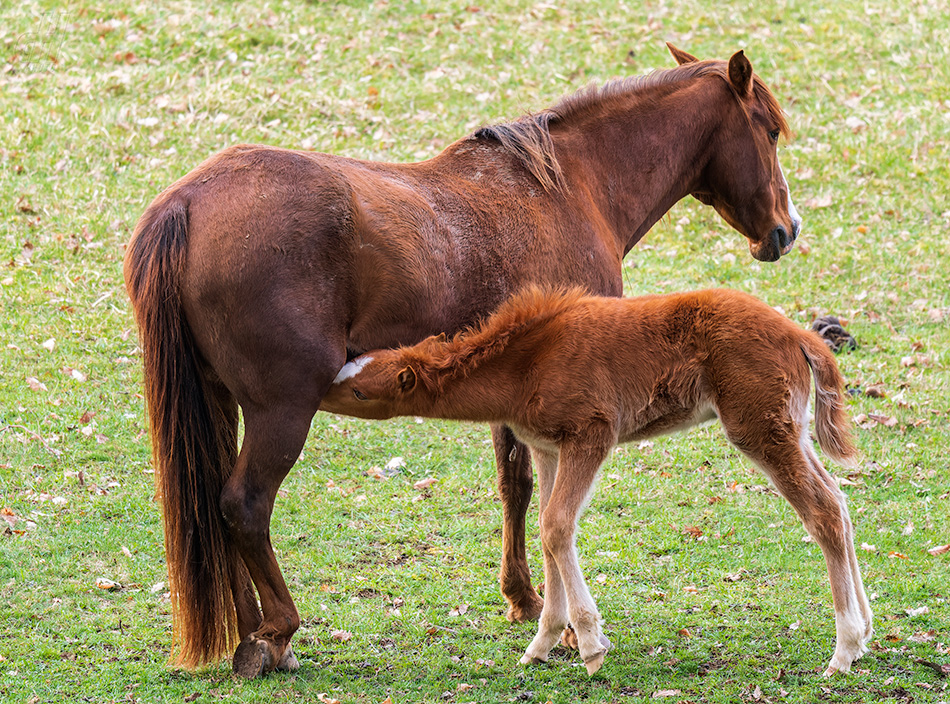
<point x="372" y="386"/>
<point x="744" y="181"/>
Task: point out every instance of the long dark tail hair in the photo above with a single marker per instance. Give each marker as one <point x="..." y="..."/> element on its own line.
<point x="193" y="426"/>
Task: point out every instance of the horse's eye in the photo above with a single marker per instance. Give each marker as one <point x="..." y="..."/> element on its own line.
<point x="360" y="396"/>
<point x="773" y="135"/>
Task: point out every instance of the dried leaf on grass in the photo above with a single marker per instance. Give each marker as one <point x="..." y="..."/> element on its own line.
<point x="35" y="384"/>
<point x="867" y="421"/>
<point x="942" y="670"/>
<point x="693" y="531"/>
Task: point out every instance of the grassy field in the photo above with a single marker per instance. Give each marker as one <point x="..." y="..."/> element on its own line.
<point x="708" y="591"/>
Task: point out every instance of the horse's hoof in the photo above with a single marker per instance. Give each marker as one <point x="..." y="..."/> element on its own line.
<point x="288" y="662"/>
<point x="530" y="611"/>
<point x="251" y="658"/>
<point x="593" y="664"/>
<point x="569" y="638"/>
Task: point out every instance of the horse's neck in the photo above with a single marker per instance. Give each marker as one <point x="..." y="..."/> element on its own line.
<point x="632" y="181"/>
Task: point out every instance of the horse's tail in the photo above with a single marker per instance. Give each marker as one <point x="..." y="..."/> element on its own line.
<point x="193" y="425"/>
<point x="832" y="427"/>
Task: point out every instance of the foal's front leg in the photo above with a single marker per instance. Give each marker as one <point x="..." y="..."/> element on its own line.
<point x="554" y="614"/>
<point x="577" y="468"/>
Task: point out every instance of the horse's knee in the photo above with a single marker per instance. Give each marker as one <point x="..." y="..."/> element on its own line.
<point x="244" y="514"/>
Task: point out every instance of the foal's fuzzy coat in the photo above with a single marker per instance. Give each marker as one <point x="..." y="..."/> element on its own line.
<point x="574" y="376"/>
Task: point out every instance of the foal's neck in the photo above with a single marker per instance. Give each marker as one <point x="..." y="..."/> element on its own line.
<point x="490" y="392"/>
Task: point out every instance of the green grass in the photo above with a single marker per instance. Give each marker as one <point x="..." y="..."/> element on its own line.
<point x="105" y="104"/>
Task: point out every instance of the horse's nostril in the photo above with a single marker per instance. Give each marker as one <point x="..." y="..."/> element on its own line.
<point x="780" y="238"/>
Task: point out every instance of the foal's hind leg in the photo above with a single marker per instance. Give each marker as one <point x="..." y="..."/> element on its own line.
<point x="799" y="476"/>
<point x="515" y="486"/>
<point x="858" y="636"/>
<point x="272" y="442"/>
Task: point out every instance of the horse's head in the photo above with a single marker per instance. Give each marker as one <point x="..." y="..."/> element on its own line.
<point x="743" y="179"/>
<point x="377" y="385"/>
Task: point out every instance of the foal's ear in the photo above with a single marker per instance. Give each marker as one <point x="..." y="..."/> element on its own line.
<point x="740" y="73"/>
<point x="681" y="56"/>
<point x="441" y="337"/>
<point x="406" y="380"/>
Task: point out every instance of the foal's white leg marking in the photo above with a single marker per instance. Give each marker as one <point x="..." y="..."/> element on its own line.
<point x="554" y="613"/>
<point x="792" y="211"/>
<point x="351" y="369"/>
<point x="558" y="534"/>
<point x="853" y="618"/>
<point x="585" y="618"/>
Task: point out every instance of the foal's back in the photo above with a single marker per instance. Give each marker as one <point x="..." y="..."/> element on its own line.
<point x="656" y="364"/>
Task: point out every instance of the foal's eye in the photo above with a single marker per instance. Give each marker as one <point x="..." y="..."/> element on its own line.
<point x="360" y="396"/>
<point x="773" y="135"/>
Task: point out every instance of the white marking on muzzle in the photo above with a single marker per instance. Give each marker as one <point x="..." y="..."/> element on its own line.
<point x="351" y="369"/>
<point x="792" y="211"/>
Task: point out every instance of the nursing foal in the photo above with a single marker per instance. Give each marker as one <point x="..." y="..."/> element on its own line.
<point x="574" y="375"/>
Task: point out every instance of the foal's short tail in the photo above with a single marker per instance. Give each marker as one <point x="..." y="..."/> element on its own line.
<point x="832" y="427"/>
<point x="193" y="427"/>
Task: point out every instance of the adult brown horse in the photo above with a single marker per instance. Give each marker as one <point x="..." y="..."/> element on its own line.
<point x="256" y="276"/>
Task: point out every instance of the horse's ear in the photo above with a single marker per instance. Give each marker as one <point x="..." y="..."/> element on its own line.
<point x="441" y="337"/>
<point x="406" y="380"/>
<point x="740" y="73"/>
<point x="681" y="56"/>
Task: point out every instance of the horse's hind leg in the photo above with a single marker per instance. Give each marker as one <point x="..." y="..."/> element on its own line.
<point x="797" y="473"/>
<point x="273" y="440"/>
<point x="515" y="485"/>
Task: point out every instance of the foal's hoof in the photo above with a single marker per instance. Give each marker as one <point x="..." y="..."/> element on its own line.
<point x="569" y="638"/>
<point x="835" y="669"/>
<point x="252" y="658"/>
<point x="533" y="659"/>
<point x="595" y="662"/>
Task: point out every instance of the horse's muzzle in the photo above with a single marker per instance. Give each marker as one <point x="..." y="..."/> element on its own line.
<point x="782" y="241"/>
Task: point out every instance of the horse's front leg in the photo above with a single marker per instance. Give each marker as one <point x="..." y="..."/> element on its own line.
<point x="515" y="484"/>
<point x="272" y="442"/>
